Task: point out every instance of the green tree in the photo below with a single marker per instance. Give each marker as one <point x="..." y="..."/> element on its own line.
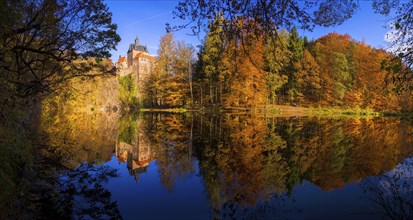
<point x="212" y="59"/>
<point x="330" y="52"/>
<point x="296" y="49"/>
<point x="275" y="58"/>
<point x="341" y="76"/>
<point x="128" y="91"/>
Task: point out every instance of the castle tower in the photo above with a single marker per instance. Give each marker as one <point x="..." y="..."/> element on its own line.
<point x="137" y="41"/>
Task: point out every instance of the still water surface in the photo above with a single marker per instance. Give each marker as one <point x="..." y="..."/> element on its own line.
<point x="191" y="166"/>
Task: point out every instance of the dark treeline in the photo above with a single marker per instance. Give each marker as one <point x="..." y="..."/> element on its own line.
<point x="287" y="69"/>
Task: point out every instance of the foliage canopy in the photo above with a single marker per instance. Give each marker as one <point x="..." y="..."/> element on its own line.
<point x="44" y="41"/>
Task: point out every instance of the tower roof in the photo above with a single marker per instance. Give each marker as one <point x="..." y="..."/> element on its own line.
<point x="144" y="55"/>
<point x="121" y="59"/>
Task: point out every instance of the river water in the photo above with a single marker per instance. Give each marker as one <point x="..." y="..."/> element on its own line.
<point x="234" y="166"/>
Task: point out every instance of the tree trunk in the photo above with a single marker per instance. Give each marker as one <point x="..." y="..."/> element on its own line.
<point x="190" y="84"/>
<point x="211" y="93"/>
<point x="202" y="103"/>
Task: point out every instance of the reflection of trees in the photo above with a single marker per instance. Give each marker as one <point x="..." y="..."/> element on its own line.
<point x="249" y="160"/>
<point x="392" y="192"/>
<point x="76" y="137"/>
<point x="244" y="158"/>
<point x="337" y="151"/>
<point x="170" y="136"/>
<point x="81" y="194"/>
<point x="127" y="128"/>
<point x="274" y="207"/>
<point x="133" y="146"/>
<point x="239" y="160"/>
<point x="75" y="143"/>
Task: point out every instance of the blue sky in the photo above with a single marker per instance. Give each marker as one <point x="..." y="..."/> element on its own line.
<point x="147" y="19"/>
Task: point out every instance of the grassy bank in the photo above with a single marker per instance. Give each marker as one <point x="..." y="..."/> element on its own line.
<point x="347" y="111"/>
<point x="279" y="111"/>
<point x="284" y="110"/>
<point x="172" y="110"/>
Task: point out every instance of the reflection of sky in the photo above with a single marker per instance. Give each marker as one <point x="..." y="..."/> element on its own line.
<point x="147" y="19"/>
<point x="402" y="176"/>
<point x="403" y="170"/>
<point x="148" y="199"/>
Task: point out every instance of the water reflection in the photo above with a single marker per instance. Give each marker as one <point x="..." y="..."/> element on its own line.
<point x="133" y="146"/>
<point x="77" y="145"/>
<point x="332" y="152"/>
<point x="73" y="138"/>
<point x="251" y="166"/>
<point x="142" y="139"/>
<point x="82" y="194"/>
<point x="253" y="157"/>
<point x="392" y="192"/>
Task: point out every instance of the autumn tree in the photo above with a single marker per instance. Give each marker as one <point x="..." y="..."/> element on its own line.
<point x="338" y="82"/>
<point x="41" y="39"/>
<point x="163" y="76"/>
<point x="246" y="81"/>
<point x="232" y="69"/>
<point x="184" y="71"/>
<point x="171" y="83"/>
<point x="337" y="70"/>
<point x="308" y="80"/>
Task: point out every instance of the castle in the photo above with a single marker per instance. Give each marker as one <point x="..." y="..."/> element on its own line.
<point x="137" y="62"/>
<point x="137" y="155"/>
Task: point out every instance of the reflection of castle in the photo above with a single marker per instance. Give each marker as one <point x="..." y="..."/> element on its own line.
<point x="137" y="155"/>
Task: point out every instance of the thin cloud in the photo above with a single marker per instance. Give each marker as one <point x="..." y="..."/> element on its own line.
<point x="148" y="18"/>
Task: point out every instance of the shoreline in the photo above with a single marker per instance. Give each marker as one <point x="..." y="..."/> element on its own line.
<point x="283" y="110"/>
